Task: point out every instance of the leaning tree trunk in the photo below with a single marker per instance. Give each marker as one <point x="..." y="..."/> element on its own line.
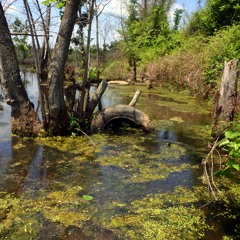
<point x="226" y="98"/>
<point x="58" y="117"/>
<point x="24" y="119"/>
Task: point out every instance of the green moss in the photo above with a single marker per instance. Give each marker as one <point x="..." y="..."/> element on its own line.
<point x="177" y="119"/>
<point x="77" y="145"/>
<point x="117" y="171"/>
<point x="143" y="167"/>
<point x="183" y="101"/>
<point x="163" y="216"/>
<point x="23" y="217"/>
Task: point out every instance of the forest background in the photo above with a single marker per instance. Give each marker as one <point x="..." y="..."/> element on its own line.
<point x="157" y="41"/>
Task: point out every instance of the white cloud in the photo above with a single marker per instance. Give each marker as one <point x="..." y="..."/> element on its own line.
<point x="116" y="7"/>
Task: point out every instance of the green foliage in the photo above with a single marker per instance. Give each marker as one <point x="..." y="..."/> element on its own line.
<point x="223" y="46"/>
<point x="177" y="18"/>
<point x="163" y="216"/>
<point x="215" y="15"/>
<point x="148" y="37"/>
<point x="116" y="70"/>
<point x="20" y="41"/>
<point x="74" y="124"/>
<point x="59" y="4"/>
<point x="87" y="197"/>
<point x="93" y="73"/>
<point x="231" y="143"/>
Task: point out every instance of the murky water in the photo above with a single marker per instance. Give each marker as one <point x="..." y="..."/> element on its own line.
<point x="127" y="185"/>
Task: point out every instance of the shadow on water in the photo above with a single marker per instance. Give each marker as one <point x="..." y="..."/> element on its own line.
<point x="126" y="170"/>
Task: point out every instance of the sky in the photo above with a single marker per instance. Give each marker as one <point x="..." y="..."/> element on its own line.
<point x="108" y="23"/>
<point x="189" y="5"/>
<point x="116" y="7"/>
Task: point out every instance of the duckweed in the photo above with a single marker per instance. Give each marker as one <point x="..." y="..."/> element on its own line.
<point x="162" y="216"/>
<point x="131" y="177"/>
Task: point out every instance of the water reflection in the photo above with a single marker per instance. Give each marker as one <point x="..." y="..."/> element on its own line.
<point x="35" y="176"/>
<point x="126" y="166"/>
<point x="5" y="137"/>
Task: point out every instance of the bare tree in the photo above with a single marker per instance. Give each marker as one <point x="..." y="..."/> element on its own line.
<point x="98" y="12"/>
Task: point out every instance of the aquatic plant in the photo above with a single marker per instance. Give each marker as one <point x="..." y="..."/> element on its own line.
<point x="162" y="216"/>
<point x="24" y="217"/>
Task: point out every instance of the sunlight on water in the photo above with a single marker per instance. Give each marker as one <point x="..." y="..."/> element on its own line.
<point x="129" y="186"/>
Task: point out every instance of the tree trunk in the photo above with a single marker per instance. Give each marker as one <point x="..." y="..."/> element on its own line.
<point x="134" y="70"/>
<point x="45" y="48"/>
<point x="97" y="45"/>
<point x="82" y="23"/>
<point x="96" y="98"/>
<point x="58" y="117"/>
<point x="85" y="91"/>
<point x="24" y="119"/>
<point x="225" y="101"/>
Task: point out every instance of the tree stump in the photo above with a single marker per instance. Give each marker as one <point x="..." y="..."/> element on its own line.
<point x="226" y="99"/>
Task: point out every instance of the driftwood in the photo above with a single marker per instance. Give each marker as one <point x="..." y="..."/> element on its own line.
<point x="135" y="99"/>
<point x="226" y="97"/>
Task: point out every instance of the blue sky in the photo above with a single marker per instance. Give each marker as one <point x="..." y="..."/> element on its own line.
<point x="114" y="8"/>
<point x="189" y="5"/>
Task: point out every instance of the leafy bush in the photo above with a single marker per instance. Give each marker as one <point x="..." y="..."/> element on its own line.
<point x="116" y="70"/>
<point x="231" y="143"/>
<point x="213" y="17"/>
<point x="198" y="62"/>
<point x="224" y="46"/>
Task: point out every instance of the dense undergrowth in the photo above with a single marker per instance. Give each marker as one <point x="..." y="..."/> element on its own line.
<point x="196" y="64"/>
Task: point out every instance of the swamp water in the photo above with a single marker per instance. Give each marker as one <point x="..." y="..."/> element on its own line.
<point x="121" y="185"/>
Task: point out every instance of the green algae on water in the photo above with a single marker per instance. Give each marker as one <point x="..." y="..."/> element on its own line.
<point x="162" y="216"/>
<point x="24" y="217"/>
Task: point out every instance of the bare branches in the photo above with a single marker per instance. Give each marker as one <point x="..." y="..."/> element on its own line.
<point x="8" y="6"/>
<point x="103" y="6"/>
<point x="208" y="164"/>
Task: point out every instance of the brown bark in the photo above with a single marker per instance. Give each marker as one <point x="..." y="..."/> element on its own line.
<point x="96" y="98"/>
<point x="226" y="98"/>
<point x="36" y="49"/>
<point x="58" y="117"/>
<point x="134" y="70"/>
<point x="24" y="119"/>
